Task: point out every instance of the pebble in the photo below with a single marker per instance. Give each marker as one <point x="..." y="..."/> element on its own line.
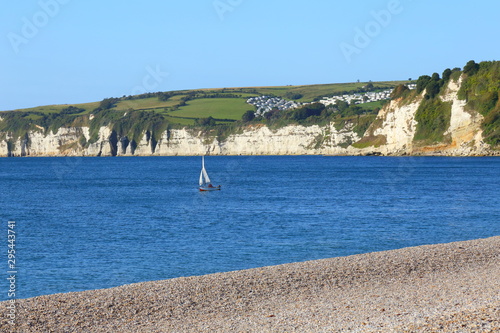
<point x="451" y="287"/>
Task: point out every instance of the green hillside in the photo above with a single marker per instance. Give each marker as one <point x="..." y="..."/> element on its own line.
<point x="222" y="103"/>
<point x="314" y="92"/>
<point x="481" y="90"/>
<point x="222" y="109"/>
<point x="226" y="109"/>
<point x="47" y="109"/>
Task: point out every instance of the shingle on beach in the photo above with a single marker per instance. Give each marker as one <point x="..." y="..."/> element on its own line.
<point x="451" y="287"/>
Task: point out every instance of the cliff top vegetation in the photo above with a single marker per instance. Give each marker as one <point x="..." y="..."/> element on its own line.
<point x="225" y="110"/>
<point x="132" y="116"/>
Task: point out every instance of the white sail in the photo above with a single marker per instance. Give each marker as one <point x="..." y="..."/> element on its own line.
<point x="205" y="174"/>
<point x="204" y="179"/>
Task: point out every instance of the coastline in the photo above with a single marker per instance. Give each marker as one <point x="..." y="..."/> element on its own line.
<point x="492" y="153"/>
<point x="431" y="288"/>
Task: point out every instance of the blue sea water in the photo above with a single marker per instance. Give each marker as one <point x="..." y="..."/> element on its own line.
<point x="88" y="223"/>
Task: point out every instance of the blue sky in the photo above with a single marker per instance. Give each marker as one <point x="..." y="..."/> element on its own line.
<point x="75" y="51"/>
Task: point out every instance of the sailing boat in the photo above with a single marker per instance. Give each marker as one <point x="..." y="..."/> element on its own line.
<point x="205" y="183"/>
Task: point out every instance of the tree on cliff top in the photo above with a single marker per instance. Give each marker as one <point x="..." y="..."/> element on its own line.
<point x="248" y="116"/>
<point x="400" y="91"/>
<point x="471" y="68"/>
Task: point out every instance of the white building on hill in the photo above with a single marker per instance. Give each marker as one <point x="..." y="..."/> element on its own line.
<point x="266" y="103"/>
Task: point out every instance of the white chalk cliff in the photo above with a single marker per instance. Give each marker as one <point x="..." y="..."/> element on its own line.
<point x="394" y="130"/>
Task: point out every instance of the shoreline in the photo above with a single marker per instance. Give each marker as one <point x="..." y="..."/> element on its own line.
<point x="435" y="288"/>
<point x="492" y="154"/>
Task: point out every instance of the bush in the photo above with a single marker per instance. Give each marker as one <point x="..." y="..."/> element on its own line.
<point x="432" y="89"/>
<point x="433" y="119"/>
<point x="481" y="89"/>
<point x="72" y="110"/>
<point x="422" y="83"/>
<point x="471" y="68"/>
<point x="210" y="121"/>
<point x="108" y="103"/>
<point x="400" y="91"/>
<point x="294" y="96"/>
<point x="447" y="75"/>
<point x="248" y="116"/>
<point x="307" y="111"/>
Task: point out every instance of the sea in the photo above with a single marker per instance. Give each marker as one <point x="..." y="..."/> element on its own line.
<point x="83" y="223"/>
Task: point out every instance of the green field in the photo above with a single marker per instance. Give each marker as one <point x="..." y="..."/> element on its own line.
<point x="184" y="107"/>
<point x="219" y="108"/>
<point x="180" y="121"/>
<point x="310" y="92"/>
<point x="230" y="108"/>
<point x="57" y="108"/>
<point x="154" y="112"/>
<point x="148" y="103"/>
<point x="150" y="112"/>
<point x="373" y="105"/>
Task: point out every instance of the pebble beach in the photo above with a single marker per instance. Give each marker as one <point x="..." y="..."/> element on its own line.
<point x="451" y="287"/>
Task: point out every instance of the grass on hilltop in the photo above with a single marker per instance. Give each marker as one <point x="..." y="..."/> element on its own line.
<point x="219" y="108"/>
<point x="154" y="111"/>
<point x="311" y="93"/>
<point x="59" y="107"/>
<point x="148" y="103"/>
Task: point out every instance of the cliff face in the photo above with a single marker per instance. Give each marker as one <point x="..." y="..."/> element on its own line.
<point x="256" y="140"/>
<point x="392" y="133"/>
<point x="397" y="125"/>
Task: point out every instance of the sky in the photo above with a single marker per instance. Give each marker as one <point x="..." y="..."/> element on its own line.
<point x="76" y="51"/>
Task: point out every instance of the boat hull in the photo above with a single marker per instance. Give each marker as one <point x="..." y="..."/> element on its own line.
<point x="208" y="189"/>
